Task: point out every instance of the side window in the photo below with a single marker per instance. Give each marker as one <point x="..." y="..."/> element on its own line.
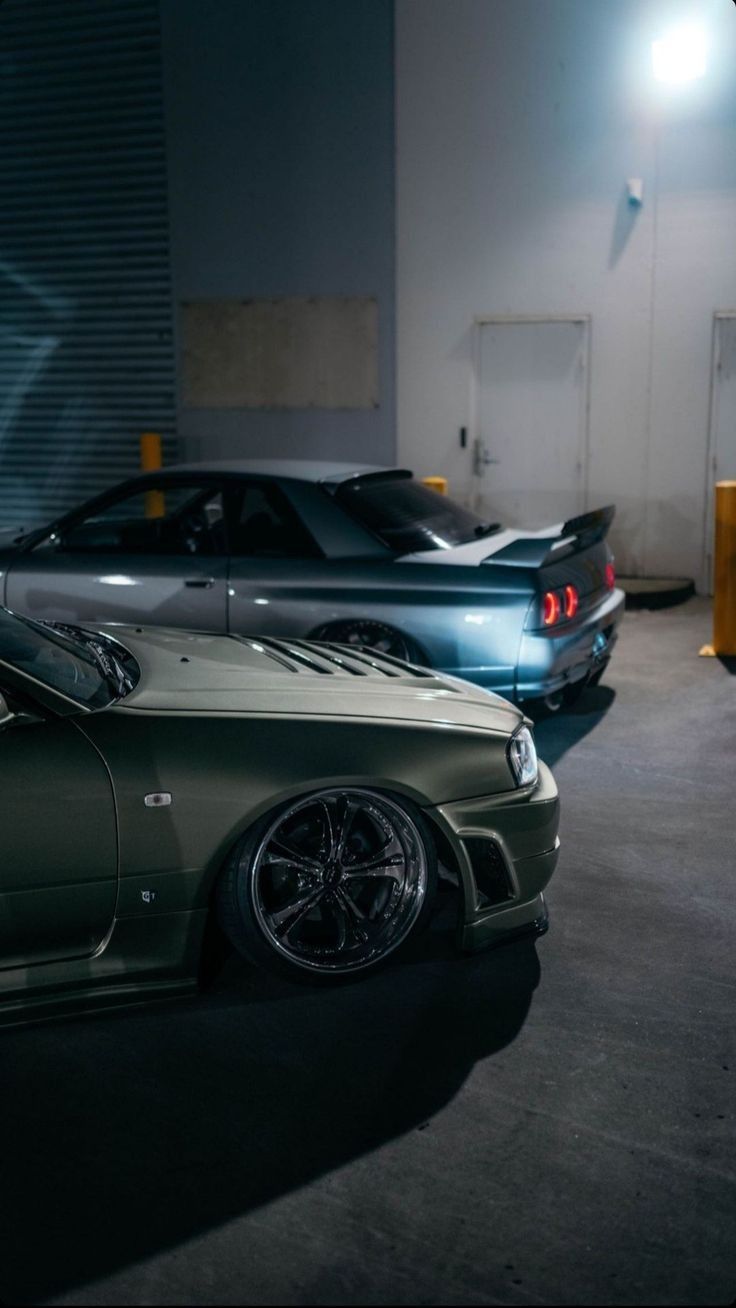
<point x="266" y="526"/>
<point x="163" y="519"/>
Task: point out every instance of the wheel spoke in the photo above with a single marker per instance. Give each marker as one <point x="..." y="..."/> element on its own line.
<point x="328" y="829"/>
<point x="349" y="906"/>
<point x="339" y="915"/>
<point x="378" y="875"/>
<point x="280" y="851"/>
<point x="381" y="866"/>
<point x="345" y="812"/>
<point x="354" y="919"/>
<point x="285" y="919"/>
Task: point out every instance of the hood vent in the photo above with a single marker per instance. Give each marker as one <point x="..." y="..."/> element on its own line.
<point x="328" y="659"/>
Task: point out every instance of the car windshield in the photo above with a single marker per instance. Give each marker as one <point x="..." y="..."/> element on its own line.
<point x="408" y="516"/>
<point x="87" y="667"/>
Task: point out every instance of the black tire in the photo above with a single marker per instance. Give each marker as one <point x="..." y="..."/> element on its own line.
<point x="305" y="894"/>
<point x="549" y="705"/>
<point x="571" y="694"/>
<point x="376" y="635"/>
<point x="544" y="706"/>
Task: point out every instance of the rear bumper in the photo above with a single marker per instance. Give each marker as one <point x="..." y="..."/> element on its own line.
<point x="549" y="661"/>
<point x="520" y="832"/>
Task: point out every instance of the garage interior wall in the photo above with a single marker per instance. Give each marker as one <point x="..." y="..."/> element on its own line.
<point x="518" y="125"/>
<point x="86" y="349"/>
<point x="281" y="167"/>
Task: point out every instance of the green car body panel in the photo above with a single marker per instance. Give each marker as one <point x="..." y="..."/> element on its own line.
<point x="105" y="898"/>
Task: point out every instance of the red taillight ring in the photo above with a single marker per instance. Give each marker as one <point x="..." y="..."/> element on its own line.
<point x="610" y="576"/>
<point x="571" y="601"/>
<point x="551" y="608"/>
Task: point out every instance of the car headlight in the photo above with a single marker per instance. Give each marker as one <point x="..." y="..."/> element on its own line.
<point x="523" y="757"/>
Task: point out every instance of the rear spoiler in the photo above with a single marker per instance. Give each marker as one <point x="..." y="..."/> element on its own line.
<point x="590" y="527"/>
<point x="549" y="545"/>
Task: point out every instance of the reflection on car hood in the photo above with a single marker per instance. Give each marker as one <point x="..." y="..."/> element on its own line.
<point x="200" y="673"/>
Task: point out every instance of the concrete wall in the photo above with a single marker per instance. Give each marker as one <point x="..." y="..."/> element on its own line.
<point x="518" y="123"/>
<point x="281" y="176"/>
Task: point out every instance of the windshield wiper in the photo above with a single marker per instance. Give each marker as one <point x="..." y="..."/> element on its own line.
<point x="111" y="668"/>
<point x="486" y="529"/>
<point x="103" y="653"/>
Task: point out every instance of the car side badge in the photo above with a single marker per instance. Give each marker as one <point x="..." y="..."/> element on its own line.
<point x="157" y="799"/>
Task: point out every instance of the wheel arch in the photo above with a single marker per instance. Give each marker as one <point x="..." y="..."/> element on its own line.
<point x="387" y="786"/>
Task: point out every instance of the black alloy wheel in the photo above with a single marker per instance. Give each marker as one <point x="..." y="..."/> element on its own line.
<point x="331" y="885"/>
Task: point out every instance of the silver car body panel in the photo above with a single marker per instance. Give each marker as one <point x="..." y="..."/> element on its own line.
<point x="171" y="591"/>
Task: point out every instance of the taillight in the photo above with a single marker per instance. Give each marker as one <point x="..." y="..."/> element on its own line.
<point x="550" y="608"/>
<point x="571" y="601"/>
<point x="610" y="576"/>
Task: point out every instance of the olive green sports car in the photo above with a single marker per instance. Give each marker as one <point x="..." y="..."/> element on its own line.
<point x="302" y="794"/>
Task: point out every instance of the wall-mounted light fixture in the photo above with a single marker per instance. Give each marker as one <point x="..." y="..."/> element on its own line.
<point x="681" y="55"/>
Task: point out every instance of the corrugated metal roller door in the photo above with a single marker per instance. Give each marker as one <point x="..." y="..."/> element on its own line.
<point x="86" y="350"/>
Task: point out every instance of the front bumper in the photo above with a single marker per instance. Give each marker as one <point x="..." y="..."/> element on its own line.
<point x="518" y="831"/>
<point x="551" y="660"/>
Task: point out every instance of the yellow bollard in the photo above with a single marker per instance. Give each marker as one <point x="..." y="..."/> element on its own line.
<point x="150" y="451"/>
<point x="724" y="573"/>
<point x="438" y="484"/>
<point x="150" y="462"/>
<point x="724" y="585"/>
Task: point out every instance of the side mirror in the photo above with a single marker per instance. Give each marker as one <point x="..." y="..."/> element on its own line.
<point x="6" y="714"/>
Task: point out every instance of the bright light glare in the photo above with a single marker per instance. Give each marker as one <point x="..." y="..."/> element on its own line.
<point x="118" y="579"/>
<point x="681" y="55"/>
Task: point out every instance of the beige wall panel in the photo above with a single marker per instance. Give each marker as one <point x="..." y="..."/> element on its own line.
<point x="292" y="353"/>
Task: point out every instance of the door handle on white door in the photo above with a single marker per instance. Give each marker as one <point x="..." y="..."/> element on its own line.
<point x="200" y="583"/>
<point x="481" y="457"/>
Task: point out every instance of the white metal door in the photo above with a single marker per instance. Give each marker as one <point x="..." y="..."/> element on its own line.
<point x="530" y="455"/>
<point x="721" y="464"/>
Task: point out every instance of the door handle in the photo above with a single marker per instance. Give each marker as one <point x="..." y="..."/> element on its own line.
<point x="200" y="583"/>
<point x="481" y="457"/>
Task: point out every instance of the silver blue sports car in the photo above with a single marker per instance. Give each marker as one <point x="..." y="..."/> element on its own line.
<point x="335" y="552"/>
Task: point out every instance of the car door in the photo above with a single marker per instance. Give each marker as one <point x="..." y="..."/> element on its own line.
<point x="58" y="839"/>
<point x="154" y="553"/>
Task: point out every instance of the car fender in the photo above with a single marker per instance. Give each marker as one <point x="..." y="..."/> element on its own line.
<point x="223" y="773"/>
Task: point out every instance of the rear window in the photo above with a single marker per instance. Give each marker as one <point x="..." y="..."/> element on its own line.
<point x="408" y="516"/>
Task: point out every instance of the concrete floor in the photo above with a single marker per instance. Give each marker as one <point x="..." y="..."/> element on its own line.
<point x="551" y="1123"/>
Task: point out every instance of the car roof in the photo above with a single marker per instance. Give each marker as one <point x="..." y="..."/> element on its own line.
<point x="313" y="470"/>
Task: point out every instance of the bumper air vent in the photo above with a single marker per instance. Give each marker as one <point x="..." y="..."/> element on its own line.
<point x="489" y="869"/>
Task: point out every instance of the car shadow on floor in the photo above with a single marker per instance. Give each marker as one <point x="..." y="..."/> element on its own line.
<point x="130" y="1133"/>
<point x="556" y="733"/>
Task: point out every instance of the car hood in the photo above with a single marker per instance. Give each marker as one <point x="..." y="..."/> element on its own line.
<point x="194" y="672"/>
